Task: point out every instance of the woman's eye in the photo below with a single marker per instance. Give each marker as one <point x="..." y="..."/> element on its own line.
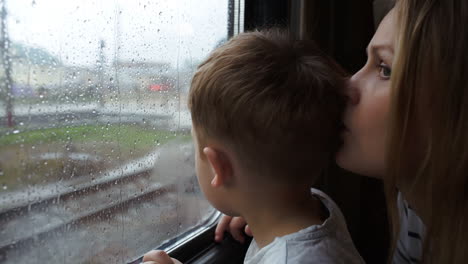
<point x="384" y="71"/>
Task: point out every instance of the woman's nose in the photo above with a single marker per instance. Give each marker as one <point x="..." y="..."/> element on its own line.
<point x="353" y="93"/>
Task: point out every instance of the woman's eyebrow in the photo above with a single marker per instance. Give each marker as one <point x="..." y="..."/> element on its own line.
<point x="376" y="48"/>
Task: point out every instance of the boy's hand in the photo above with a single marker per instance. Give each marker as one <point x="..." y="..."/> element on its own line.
<point x="159" y="257"/>
<point x="233" y="225"/>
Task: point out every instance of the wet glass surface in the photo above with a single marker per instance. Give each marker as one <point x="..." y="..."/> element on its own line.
<point x="96" y="157"/>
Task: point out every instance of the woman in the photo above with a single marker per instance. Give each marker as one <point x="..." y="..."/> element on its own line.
<point x="407" y="123"/>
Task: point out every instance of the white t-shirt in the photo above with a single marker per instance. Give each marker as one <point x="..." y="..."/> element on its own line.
<point x="329" y="242"/>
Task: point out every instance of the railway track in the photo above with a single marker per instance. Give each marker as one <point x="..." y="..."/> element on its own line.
<point x="29" y="223"/>
<point x="23" y="225"/>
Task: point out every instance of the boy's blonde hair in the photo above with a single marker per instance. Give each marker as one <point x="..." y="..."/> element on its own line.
<point x="277" y="102"/>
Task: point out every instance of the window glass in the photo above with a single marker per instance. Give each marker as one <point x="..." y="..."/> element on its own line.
<point x="96" y="157"/>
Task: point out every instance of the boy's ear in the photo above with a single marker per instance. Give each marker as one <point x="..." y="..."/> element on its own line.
<point x="221" y="166"/>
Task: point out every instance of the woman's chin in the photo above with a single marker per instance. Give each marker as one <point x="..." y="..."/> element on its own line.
<point x="352" y="162"/>
<point x="341" y="159"/>
<point x="342" y="156"/>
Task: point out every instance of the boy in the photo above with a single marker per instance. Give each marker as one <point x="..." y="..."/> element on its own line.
<point x="266" y="113"/>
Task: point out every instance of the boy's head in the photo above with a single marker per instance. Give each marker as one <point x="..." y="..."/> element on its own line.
<point x="273" y="103"/>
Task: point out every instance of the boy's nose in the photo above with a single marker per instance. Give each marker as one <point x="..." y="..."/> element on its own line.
<point x="352" y="92"/>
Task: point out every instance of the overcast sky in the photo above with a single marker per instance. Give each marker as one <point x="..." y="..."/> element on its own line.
<point x="172" y="31"/>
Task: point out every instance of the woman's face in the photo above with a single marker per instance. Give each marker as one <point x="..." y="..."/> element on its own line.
<point x="366" y="115"/>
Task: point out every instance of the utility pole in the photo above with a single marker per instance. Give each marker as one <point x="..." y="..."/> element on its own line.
<point x="102" y="44"/>
<point x="6" y="63"/>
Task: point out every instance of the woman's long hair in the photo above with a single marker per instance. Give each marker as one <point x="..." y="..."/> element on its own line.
<point x="428" y="136"/>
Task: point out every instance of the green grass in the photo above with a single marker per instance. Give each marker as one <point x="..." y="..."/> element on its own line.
<point x="127" y="136"/>
<point x="20" y="169"/>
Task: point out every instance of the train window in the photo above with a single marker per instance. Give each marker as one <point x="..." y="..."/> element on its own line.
<point x="96" y="158"/>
